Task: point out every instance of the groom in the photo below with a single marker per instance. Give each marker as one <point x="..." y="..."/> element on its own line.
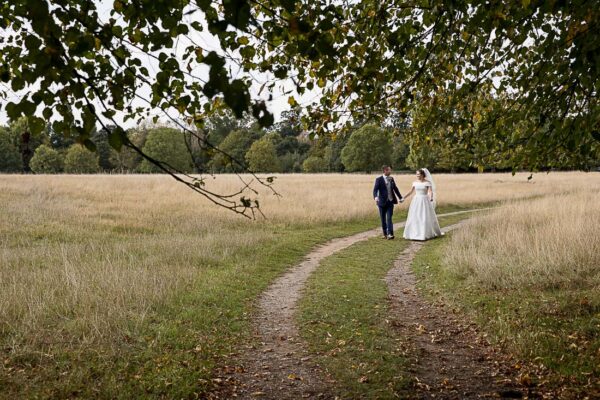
<point x="386" y="194"/>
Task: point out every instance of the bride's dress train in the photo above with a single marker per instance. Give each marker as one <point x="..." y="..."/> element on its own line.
<point x="421" y="222"/>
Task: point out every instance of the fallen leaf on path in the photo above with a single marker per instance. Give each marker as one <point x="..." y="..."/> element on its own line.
<point x="294" y="377"/>
<point x="525" y="380"/>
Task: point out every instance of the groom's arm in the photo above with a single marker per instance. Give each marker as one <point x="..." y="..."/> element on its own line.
<point x="397" y="192"/>
<point x="376" y="189"/>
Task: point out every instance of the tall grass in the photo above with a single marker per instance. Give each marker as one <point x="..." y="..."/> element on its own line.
<point x="550" y="242"/>
<point x="86" y="257"/>
<point x="108" y="266"/>
<point x="529" y="274"/>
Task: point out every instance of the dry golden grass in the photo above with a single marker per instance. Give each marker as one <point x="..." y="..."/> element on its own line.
<point x="85" y="258"/>
<point x="544" y="243"/>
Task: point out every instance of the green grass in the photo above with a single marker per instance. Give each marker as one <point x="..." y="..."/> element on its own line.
<point x="173" y="353"/>
<point x="556" y="329"/>
<point x="344" y="319"/>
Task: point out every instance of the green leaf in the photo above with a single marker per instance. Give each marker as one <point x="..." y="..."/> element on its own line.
<point x="237" y="13"/>
<point x="289" y="5"/>
<point x="236" y="96"/>
<point x="36" y="125"/>
<point x="281" y="73"/>
<point x="117" y="138"/>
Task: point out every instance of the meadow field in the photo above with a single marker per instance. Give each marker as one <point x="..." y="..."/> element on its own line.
<point x="134" y="286"/>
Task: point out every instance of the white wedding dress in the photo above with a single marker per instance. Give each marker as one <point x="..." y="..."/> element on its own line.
<point x="421" y="222"/>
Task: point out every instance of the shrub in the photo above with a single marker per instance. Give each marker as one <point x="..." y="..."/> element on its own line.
<point x="46" y="160"/>
<point x="79" y="160"/>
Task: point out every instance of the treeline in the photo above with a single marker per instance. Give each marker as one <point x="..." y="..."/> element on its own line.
<point x="231" y="145"/>
<point x="226" y="145"/>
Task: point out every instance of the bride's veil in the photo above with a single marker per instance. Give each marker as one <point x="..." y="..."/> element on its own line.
<point x="430" y="179"/>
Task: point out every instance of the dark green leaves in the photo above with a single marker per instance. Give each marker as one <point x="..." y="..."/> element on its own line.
<point x="116" y="138"/>
<point x="236" y="96"/>
<point x="262" y="115"/>
<point x="237" y="13"/>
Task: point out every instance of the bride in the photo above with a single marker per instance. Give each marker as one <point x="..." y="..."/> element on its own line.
<point x="422" y="223"/>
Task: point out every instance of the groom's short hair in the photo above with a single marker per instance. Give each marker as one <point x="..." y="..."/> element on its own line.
<point x="384" y="167"/>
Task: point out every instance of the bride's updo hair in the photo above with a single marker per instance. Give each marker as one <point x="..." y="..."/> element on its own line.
<point x="421" y="172"/>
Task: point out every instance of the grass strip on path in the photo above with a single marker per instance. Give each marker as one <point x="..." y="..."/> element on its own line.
<point x="343" y="318"/>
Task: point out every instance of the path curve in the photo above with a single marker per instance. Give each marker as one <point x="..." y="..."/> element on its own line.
<point x="447" y="357"/>
<point x="279" y="367"/>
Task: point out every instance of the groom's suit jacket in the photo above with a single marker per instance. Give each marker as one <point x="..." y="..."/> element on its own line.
<point x="380" y="191"/>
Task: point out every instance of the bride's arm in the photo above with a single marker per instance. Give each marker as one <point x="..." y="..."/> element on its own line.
<point x="430" y="193"/>
<point x="412" y="189"/>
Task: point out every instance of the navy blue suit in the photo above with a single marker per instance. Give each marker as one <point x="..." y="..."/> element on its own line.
<point x="386" y="206"/>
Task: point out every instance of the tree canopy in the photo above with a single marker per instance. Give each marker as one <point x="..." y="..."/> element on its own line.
<point x="262" y="156"/>
<point x="80" y="161"/>
<point x="168" y="146"/>
<point x="368" y="149"/>
<point x="368" y="60"/>
<point x="10" y="158"/>
<point x="46" y="160"/>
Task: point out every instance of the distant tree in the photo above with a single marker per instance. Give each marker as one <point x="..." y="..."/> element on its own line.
<point x="10" y="158"/>
<point x="168" y="146"/>
<point x="368" y="148"/>
<point x="222" y="123"/>
<point x="290" y="124"/>
<point x="58" y="141"/>
<point x="424" y="156"/>
<point x="262" y="156"/>
<point x="127" y="160"/>
<point x="291" y="144"/>
<point x="235" y="145"/>
<point x="275" y="138"/>
<point x="292" y="162"/>
<point x="314" y="164"/>
<point x="290" y="150"/>
<point x="400" y="152"/>
<point x="333" y="153"/>
<point x="216" y="128"/>
<point x="79" y="160"/>
<point x="25" y="141"/>
<point x="106" y="154"/>
<point x="46" y="160"/>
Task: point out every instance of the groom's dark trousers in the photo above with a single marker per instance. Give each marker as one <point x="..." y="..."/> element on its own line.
<point x="385" y="204"/>
<point x="385" y="212"/>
